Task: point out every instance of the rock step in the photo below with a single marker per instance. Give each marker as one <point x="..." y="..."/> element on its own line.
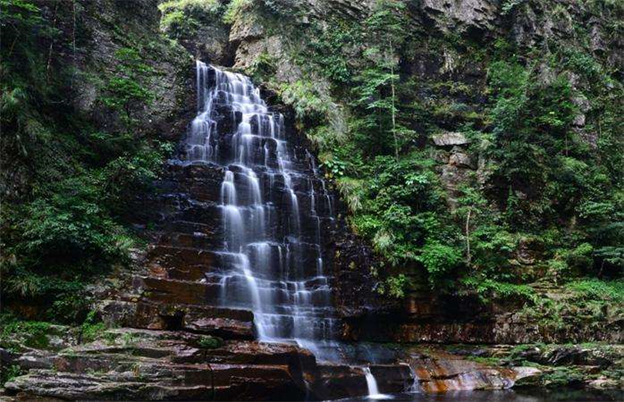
<point x="196" y="240"/>
<point x="130" y="364"/>
<point x="185" y="206"/>
<point x="192" y="264"/>
<point x="222" y="322"/>
<point x="173" y="291"/>
<point x="190" y="227"/>
<point x="193" y="261"/>
<point x="135" y="364"/>
<point x="165" y="382"/>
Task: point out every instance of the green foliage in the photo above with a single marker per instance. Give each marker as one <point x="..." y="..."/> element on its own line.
<point x="397" y="208"/>
<point x="234" y="9"/>
<point x="126" y="91"/>
<point x="18" y="334"/>
<point x="508" y="6"/>
<point x="547" y="169"/>
<point x="440" y="260"/>
<point x="395" y="286"/>
<point x="26" y="87"/>
<point x="335" y="168"/>
<point x="263" y="67"/>
<point x="309" y="107"/>
<point x="534" y="145"/>
<point x="375" y="93"/>
<point x="488" y="289"/>
<point x="182" y="18"/>
<point x="585" y="303"/>
<point x="91" y="328"/>
<point x="594" y="289"/>
<point x="9" y="372"/>
<point x="546" y="198"/>
<point x="69" y="181"/>
<point x="57" y="241"/>
<point x="210" y="342"/>
<point x="327" y="51"/>
<point x="562" y="377"/>
<point x="351" y="190"/>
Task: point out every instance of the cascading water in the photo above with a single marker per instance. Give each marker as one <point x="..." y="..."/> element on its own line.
<point x="371" y="383"/>
<point x="274" y="208"/>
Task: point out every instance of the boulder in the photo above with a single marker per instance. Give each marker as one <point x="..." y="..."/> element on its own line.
<point x="450" y="139"/>
<point x="461" y="160"/>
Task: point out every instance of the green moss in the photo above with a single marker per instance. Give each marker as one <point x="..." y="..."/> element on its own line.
<point x="595" y="289"/>
<point x="31" y="334"/>
<point x="563" y="377"/>
<point x="488" y="361"/>
<point x="91" y="328"/>
<point x="306" y="100"/>
<point x="210" y="342"/>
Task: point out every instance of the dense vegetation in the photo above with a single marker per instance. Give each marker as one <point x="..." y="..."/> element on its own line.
<point x="543" y="123"/>
<point x="68" y="180"/>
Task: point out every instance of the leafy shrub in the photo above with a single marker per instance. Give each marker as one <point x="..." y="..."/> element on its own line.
<point x="595" y="289"/>
<point x="127" y="90"/>
<point x="439" y="260"/>
<point x="395" y="286"/>
<point x="563" y="376"/>
<point x="210" y="342"/>
<point x="234" y="8"/>
<point x="8" y="372"/>
<point x="32" y="334"/>
<point x="488" y="289"/>
<point x="91" y="328"/>
<point x="74" y="180"/>
<point x="306" y="100"/>
<point x="181" y="18"/>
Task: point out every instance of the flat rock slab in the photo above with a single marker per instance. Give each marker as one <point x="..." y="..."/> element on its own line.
<point x="222" y="322"/>
<point x="134" y="364"/>
<point x="450" y="139"/>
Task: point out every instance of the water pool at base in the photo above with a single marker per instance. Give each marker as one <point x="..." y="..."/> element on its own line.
<point x="520" y="395"/>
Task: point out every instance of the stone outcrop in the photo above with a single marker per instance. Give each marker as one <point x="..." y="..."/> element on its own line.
<point x="165" y="365"/>
<point x="169" y="67"/>
<point x="442" y="372"/>
<point x="474" y="17"/>
<point x="428" y="318"/>
<point x="450" y="139"/>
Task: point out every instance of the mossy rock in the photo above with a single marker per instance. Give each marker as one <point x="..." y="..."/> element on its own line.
<point x="210" y="342"/>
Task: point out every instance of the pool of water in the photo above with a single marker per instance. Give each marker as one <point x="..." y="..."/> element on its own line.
<point x="507" y="396"/>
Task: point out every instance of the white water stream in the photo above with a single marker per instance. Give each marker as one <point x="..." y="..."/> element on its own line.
<point x="275" y="208"/>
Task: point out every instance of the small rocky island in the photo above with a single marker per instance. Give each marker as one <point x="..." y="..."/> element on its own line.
<point x="312" y="200"/>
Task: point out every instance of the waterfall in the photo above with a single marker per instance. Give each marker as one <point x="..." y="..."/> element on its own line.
<point x="371" y="383"/>
<point x="415" y="387"/>
<point x="275" y="209"/>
